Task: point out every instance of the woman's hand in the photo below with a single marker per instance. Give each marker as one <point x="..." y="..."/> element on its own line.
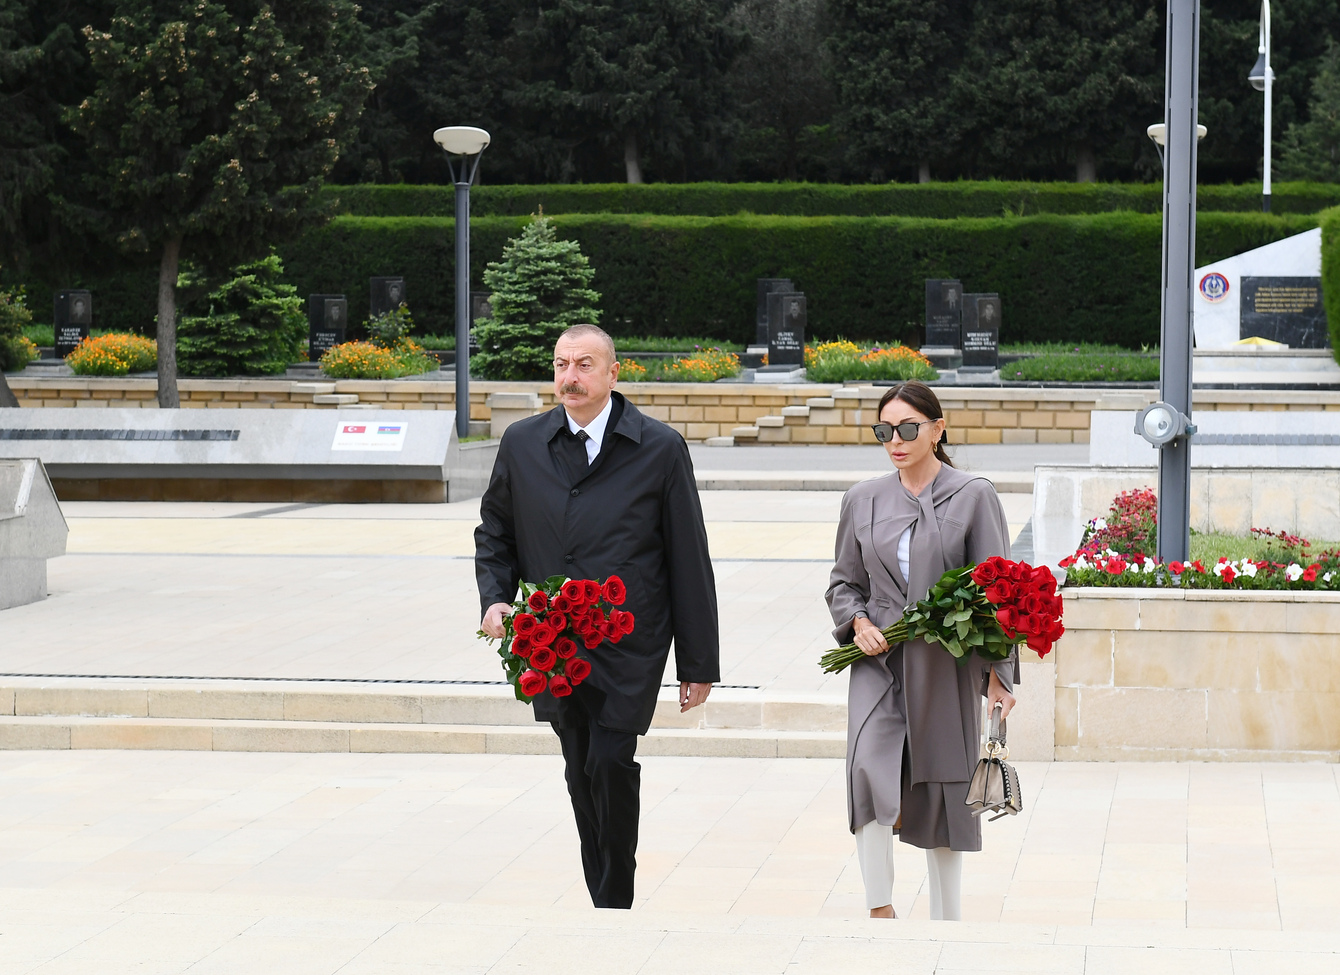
<point x="869" y="638"/>
<point x="996" y="694"/>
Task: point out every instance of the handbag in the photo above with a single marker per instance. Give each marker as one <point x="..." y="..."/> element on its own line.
<point x="995" y="783"/>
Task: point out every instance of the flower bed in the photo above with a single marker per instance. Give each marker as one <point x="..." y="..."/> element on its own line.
<point x="703" y="366"/>
<point x="843" y="361"/>
<point x="115" y="354"/>
<point x="365" y="360"/>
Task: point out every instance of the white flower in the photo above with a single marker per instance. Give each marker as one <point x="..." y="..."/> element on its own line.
<point x="1247" y="568"/>
<point x="1098" y="525"/>
<point x="1294" y="572"/>
<point x="1327" y="577"/>
<point x="1082" y="563"/>
<point x="1133" y="568"/>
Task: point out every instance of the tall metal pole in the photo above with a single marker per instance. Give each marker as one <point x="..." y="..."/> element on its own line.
<point x="1265" y="51"/>
<point x="463" y="308"/>
<point x="1181" y="96"/>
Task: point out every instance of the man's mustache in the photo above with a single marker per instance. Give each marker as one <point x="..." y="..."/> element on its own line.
<point x="577" y="388"/>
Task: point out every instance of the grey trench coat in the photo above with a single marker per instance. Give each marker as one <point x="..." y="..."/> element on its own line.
<point x="913" y="714"/>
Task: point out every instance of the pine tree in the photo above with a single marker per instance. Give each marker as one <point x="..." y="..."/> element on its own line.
<point x="541" y="286"/>
<point x="1311" y="149"/>
<point x="253" y="325"/>
<point x="211" y="128"/>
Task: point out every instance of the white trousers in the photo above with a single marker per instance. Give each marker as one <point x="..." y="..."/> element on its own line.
<point x="874" y="849"/>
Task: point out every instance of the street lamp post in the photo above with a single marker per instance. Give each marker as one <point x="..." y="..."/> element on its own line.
<point x="463" y="141"/>
<point x="1262" y="77"/>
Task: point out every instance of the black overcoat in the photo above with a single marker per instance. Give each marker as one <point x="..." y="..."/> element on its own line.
<point x="633" y="513"/>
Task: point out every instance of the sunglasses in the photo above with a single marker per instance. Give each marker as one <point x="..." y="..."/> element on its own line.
<point x="906" y="431"/>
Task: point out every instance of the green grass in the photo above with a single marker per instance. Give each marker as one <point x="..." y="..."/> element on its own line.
<point x="1076" y="367"/>
<point x="1088" y="348"/>
<point x="45" y="335"/>
<point x="1211" y="546"/>
<point x="438" y="342"/>
<point x="659" y="343"/>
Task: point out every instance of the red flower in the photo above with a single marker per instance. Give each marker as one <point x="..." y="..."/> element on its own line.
<point x="532" y="683"/>
<point x="543" y="635"/>
<point x="1066" y="562"/>
<point x="561" y="604"/>
<point x="984" y="574"/>
<point x="1197" y="566"/>
<point x="538" y="601"/>
<point x="1032" y="602"/>
<point x="575" y="591"/>
<point x="559" y="686"/>
<point x="1114" y="565"/>
<point x="1007" y="617"/>
<point x="1019" y="571"/>
<point x="564" y="647"/>
<point x="590" y="590"/>
<point x="523" y="623"/>
<point x="1177" y="568"/>
<point x="1037" y="622"/>
<point x="999" y="592"/>
<point x="597" y="616"/>
<point x="623" y="620"/>
<point x="578" y="670"/>
<point x="1310" y="573"/>
<point x="522" y="645"/>
<point x="614" y="591"/>
<point x="1040" y="644"/>
<point x="591" y="640"/>
<point x="1228" y="575"/>
<point x="543" y="658"/>
<point x="610" y="632"/>
<point x="1055" y="630"/>
<point x="556" y="622"/>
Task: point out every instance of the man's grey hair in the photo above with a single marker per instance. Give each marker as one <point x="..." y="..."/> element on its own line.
<point x="595" y="332"/>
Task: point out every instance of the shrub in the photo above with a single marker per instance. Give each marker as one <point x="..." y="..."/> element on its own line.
<point x="703" y="366"/>
<point x="941" y="201"/>
<point x="254" y="325"/>
<point x="1078" y="367"/>
<point x="539" y="288"/>
<point x="115" y="354"/>
<point x="16" y="350"/>
<point x="364" y="360"/>
<point x="389" y="328"/>
<point x="843" y="361"/>
<point x="1062" y="278"/>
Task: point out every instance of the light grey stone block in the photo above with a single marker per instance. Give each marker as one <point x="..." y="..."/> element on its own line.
<point x="32" y="530"/>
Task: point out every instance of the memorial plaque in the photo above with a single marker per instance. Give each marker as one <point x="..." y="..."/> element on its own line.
<point x="767" y="286"/>
<point x="388" y="294"/>
<point x="944" y="311"/>
<point x="981" y="331"/>
<point x="1287" y="310"/>
<point x="327" y="319"/>
<point x="786" y="329"/>
<point x="72" y="319"/>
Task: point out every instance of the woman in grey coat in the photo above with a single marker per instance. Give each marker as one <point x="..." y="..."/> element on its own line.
<point x="913" y="712"/>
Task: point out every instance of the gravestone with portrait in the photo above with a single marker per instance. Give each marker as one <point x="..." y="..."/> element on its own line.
<point x="944" y="322"/>
<point x="72" y="320"/>
<point x="387" y="294"/>
<point x="787" y="314"/>
<point x="327" y="320"/>
<point x="767" y="286"/>
<point x="981" y="332"/>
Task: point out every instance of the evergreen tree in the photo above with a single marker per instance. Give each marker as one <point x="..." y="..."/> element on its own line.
<point x="253" y="325"/>
<point x="211" y="128"/>
<point x="14" y="314"/>
<point x="541" y="286"/>
<point x="1311" y="149"/>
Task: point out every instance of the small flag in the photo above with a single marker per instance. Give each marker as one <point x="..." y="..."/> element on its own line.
<point x="351" y="429"/>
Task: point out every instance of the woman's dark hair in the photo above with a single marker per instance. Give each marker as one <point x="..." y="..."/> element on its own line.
<point x="921" y="398"/>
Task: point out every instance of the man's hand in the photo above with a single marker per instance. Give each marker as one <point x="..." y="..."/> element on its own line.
<point x="493" y="619"/>
<point x="691" y="695"/>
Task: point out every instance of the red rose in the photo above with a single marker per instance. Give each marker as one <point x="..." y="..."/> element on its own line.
<point x="1040" y="644"/>
<point x="1032" y="603"/>
<point x="543" y="658"/>
<point x="559" y="686"/>
<point x="614" y="591"/>
<point x="561" y="604"/>
<point x="590" y="590"/>
<point x="1007" y="617"/>
<point x="557" y="622"/>
<point x="624" y="621"/>
<point x="543" y="635"/>
<point x="1042" y="575"/>
<point x="538" y="601"/>
<point x="1055" y="631"/>
<point x="999" y="592"/>
<point x="610" y="632"/>
<point x="597" y="616"/>
<point x="984" y="574"/>
<point x="522" y="645"/>
<point x="523" y="623"/>
<point x="574" y="590"/>
<point x="532" y="683"/>
<point x="578" y="670"/>
<point x="591" y="640"/>
<point x="564" y="647"/>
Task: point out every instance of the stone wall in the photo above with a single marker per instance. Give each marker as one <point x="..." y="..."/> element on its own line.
<point x="742" y="412"/>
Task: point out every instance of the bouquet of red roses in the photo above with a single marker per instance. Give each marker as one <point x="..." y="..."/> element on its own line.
<point x="552" y="621"/>
<point x="990" y="607"/>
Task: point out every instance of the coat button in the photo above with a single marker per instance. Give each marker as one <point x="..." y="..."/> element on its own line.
<point x="568" y="559"/>
<point x="575" y="492"/>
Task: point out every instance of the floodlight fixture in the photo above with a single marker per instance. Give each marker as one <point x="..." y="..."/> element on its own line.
<point x="1162" y="424"/>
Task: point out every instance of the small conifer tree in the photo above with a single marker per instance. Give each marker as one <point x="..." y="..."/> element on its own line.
<point x="253" y="325"/>
<point x="539" y="288"/>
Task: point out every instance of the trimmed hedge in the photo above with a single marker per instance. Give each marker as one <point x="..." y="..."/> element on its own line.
<point x="1089" y="278"/>
<point x="934" y="200"/>
<point x="1330" y="273"/>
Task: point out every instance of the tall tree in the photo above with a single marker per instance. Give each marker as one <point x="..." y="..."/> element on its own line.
<point x="211" y="128"/>
<point x="1050" y="84"/>
<point x="1311" y="149"/>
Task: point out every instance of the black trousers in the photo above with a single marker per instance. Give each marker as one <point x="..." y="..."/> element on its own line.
<point x="604" y="781"/>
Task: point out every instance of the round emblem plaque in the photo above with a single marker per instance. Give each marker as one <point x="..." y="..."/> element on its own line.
<point x="1214" y="287"/>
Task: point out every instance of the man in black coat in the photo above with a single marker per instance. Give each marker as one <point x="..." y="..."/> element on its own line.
<point x="595" y="488"/>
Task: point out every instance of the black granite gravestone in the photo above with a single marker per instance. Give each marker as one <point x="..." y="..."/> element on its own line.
<point x="981" y="331"/>
<point x="767" y="286"/>
<point x="327" y="319"/>
<point x="1287" y="310"/>
<point x="388" y="294"/>
<point x="944" y="312"/>
<point x="786" y="329"/>
<point x="73" y="316"/>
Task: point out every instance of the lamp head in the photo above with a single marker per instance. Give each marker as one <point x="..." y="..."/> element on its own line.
<point x="1161" y="424"/>
<point x="1159" y="133"/>
<point x="461" y="140"/>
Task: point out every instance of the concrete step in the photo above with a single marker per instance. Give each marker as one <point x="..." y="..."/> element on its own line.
<point x="184" y="734"/>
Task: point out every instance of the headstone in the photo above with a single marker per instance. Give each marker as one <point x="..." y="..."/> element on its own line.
<point x="480" y="307"/>
<point x="73" y="317"/>
<point x="786" y="329"/>
<point x="981" y="331"/>
<point x="944" y="312"/>
<point x="387" y="295"/>
<point x="767" y="286"/>
<point x="327" y="319"/>
<point x="1284" y="309"/>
